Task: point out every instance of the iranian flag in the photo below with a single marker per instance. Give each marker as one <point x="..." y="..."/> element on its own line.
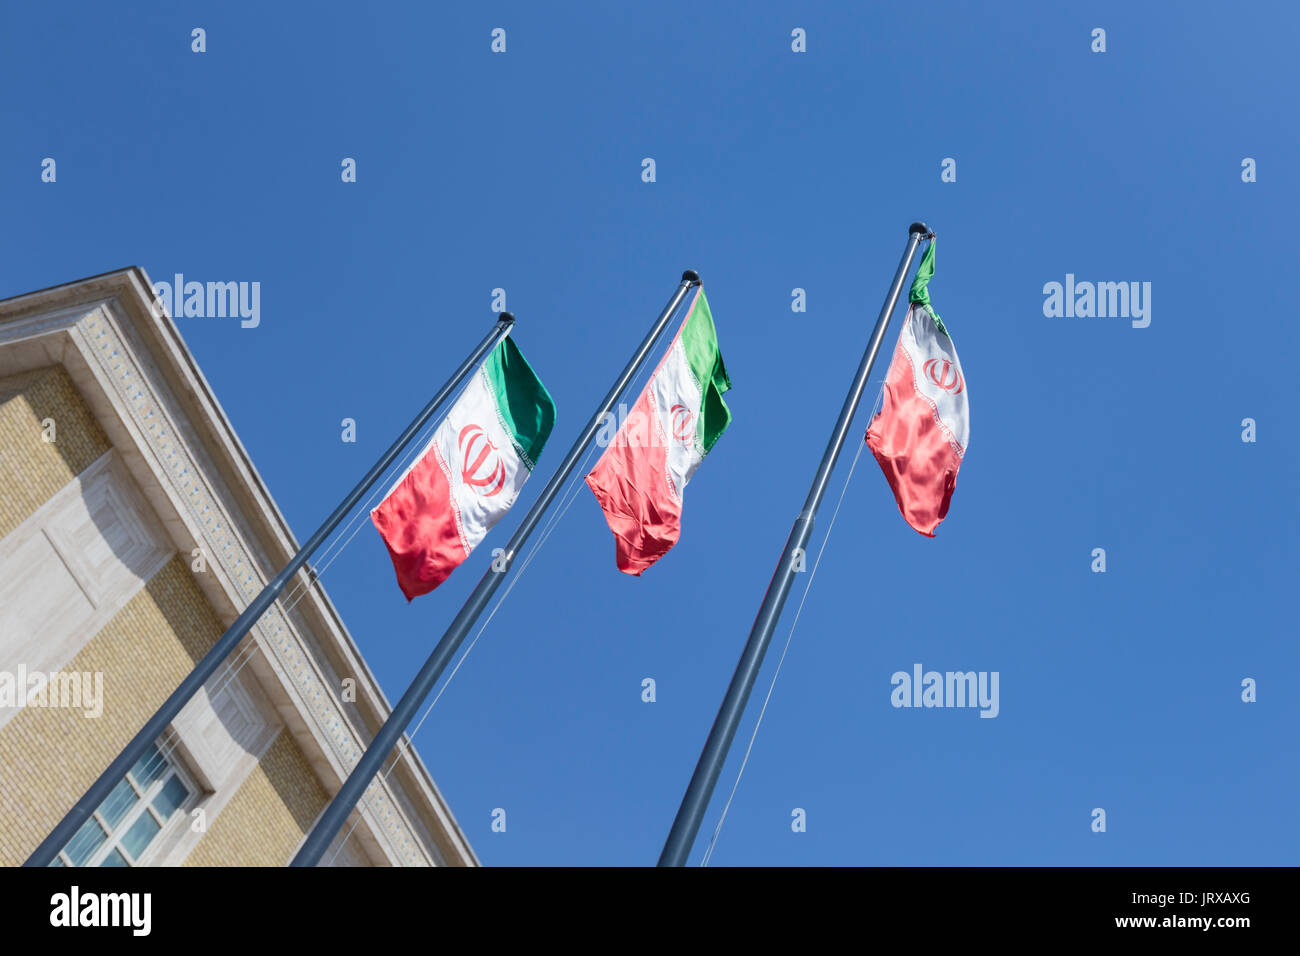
<point x="923" y="428"/>
<point x="469" y="474"/>
<point x="640" y="479"/>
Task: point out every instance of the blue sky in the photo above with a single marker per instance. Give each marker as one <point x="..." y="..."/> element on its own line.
<point x="775" y="170"/>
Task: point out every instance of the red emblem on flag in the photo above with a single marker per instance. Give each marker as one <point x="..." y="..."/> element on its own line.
<point x="939" y="375"/>
<point x="482" y="467"/>
<point x="683" y="424"/>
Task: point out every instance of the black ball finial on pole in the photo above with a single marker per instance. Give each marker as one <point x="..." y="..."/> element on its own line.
<point x="506" y="317"/>
<point x="918" y="227"/>
<point x="691" y="276"/>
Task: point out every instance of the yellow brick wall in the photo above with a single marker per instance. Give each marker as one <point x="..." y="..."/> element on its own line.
<point x="32" y="469"/>
<point x="49" y="756"/>
<point x="268" y="817"/>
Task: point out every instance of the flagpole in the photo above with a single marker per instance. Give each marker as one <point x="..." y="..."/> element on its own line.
<point x="331" y="821"/>
<point x="696" y="801"/>
<point x="44" y="854"/>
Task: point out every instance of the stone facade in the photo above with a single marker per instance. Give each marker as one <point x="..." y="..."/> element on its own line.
<point x="144" y="530"/>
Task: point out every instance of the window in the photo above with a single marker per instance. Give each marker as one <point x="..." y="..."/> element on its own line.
<point x="140" y="807"/>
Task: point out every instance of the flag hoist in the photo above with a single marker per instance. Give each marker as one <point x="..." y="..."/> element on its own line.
<point x="920" y="436"/>
<point x="331" y="821"/>
<point x="922" y="424"/>
<point x="81" y="811"/>
<point x="469" y="474"/>
<point x="641" y="478"/>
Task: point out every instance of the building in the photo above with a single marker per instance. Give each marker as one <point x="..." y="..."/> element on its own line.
<point x="133" y="530"/>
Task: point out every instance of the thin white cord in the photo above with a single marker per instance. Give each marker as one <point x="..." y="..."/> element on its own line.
<point x="567" y="498"/>
<point x="793" y="624"/>
<point x="339" y="544"/>
<point x="233" y="666"/>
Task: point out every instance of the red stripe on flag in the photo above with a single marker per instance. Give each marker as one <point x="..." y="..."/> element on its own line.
<point x="418" y="523"/>
<point x="631" y="484"/>
<point x="913" y="449"/>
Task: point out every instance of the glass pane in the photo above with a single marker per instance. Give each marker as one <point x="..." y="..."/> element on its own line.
<point x="171" y="798"/>
<point x="149" y="767"/>
<point x="117" y="803"/>
<point x="84" y="842"/>
<point x="114" y="859"/>
<point x="57" y="861"/>
<point x="141" y="832"/>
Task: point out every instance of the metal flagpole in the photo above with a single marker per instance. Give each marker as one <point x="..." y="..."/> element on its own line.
<point x="331" y="821"/>
<point x="81" y="811"/>
<point x="696" y="801"/>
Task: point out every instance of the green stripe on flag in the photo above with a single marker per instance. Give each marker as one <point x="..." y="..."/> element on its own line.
<point x="920" y="291"/>
<point x="924" y="273"/>
<point x="526" y="407"/>
<point x="700" y="342"/>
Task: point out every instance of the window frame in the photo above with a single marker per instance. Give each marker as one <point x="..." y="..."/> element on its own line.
<point x="144" y="798"/>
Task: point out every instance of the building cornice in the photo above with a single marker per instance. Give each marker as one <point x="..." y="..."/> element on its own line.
<point x="143" y="384"/>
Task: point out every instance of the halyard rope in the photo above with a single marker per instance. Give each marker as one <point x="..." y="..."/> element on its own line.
<point x="708" y="852"/>
<point x="567" y="498"/>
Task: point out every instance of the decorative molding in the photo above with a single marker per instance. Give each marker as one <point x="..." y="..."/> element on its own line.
<point x="219" y="737"/>
<point x="141" y="383"/>
<point x="138" y="395"/>
<point x="72" y="565"/>
<point x="221" y="727"/>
